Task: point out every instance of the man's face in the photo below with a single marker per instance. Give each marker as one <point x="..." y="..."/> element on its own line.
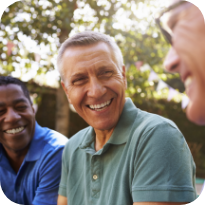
<point x="187" y="56"/>
<point x="17" y="119"/>
<point x="94" y="84"/>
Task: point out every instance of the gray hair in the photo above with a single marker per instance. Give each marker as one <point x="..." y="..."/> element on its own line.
<point x="90" y="38"/>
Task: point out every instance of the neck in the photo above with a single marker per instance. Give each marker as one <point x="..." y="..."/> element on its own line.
<point x="16" y="158"/>
<point x="102" y="137"/>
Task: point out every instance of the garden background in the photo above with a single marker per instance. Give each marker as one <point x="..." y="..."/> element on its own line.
<point x="32" y="31"/>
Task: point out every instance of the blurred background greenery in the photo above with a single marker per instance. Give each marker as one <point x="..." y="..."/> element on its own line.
<point x="33" y="30"/>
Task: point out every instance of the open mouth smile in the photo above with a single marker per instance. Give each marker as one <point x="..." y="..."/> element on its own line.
<point x="188" y="81"/>
<point x="99" y="107"/>
<point x="14" y="130"/>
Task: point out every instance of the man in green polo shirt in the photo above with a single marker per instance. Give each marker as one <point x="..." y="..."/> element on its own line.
<point x="126" y="156"/>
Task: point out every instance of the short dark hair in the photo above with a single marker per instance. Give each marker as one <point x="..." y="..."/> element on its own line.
<point x="7" y="80"/>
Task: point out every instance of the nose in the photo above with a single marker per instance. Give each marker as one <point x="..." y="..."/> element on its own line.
<point x="12" y="116"/>
<point x="96" y="88"/>
<point x="172" y="61"/>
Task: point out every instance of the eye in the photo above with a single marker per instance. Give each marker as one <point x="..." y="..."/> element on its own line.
<point x="2" y="111"/>
<point x="21" y="107"/>
<point x="79" y="81"/>
<point x="106" y="74"/>
<point x="173" y="25"/>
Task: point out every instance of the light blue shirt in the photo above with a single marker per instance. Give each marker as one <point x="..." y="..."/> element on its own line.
<point x="38" y="178"/>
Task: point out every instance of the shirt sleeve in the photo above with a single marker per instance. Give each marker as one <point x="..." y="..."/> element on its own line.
<point x="64" y="174"/>
<point x="49" y="178"/>
<point x="164" y="170"/>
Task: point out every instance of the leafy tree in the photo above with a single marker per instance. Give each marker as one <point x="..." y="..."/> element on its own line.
<point x="49" y="22"/>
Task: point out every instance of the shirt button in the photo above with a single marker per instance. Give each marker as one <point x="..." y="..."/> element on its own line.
<point x="95" y="177"/>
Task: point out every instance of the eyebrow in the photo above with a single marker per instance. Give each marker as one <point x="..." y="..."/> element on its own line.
<point x="2" y="104"/>
<point x="103" y="67"/>
<point x="76" y="75"/>
<point x="19" y="101"/>
<point x="85" y="73"/>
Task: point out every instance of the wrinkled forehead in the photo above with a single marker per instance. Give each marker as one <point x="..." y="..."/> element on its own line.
<point x="176" y="12"/>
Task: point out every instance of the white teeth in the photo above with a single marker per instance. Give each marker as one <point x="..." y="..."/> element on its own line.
<point x="100" y="106"/>
<point x="188" y="81"/>
<point x="14" y="131"/>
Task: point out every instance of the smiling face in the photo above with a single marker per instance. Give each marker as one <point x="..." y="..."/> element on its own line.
<point x="17" y="119"/>
<point x="187" y="57"/>
<point x="94" y="84"/>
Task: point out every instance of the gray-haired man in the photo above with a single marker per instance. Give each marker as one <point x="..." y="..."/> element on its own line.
<point x="126" y="156"/>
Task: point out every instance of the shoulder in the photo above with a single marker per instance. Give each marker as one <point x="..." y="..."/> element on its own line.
<point x="51" y="139"/>
<point x="148" y="121"/>
<point x="157" y="136"/>
<point x="53" y="144"/>
<point x="154" y="130"/>
<point x="55" y="141"/>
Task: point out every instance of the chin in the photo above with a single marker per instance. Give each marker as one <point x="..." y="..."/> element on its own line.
<point x="195" y="114"/>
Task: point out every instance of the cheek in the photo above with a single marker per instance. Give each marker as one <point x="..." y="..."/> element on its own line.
<point x="76" y="96"/>
<point x="70" y="93"/>
<point x="119" y="79"/>
<point x="189" y="53"/>
<point x="196" y="113"/>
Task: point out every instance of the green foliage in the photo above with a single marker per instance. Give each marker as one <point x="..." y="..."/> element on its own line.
<point x="49" y="22"/>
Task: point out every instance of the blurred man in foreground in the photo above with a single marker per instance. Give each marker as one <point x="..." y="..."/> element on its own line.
<point x="183" y="26"/>
<point x="30" y="155"/>
<point x="126" y="156"/>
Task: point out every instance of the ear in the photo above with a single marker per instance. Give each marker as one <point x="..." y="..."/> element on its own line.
<point x="33" y="109"/>
<point x="124" y="76"/>
<point x="66" y="91"/>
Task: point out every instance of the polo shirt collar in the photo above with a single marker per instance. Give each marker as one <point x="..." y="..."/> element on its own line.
<point x="88" y="139"/>
<point x="34" y="152"/>
<point x="37" y="144"/>
<point x="122" y="130"/>
<point x="3" y="160"/>
<point x="1" y="151"/>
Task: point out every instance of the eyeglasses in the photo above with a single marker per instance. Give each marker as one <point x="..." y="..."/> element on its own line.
<point x="166" y="31"/>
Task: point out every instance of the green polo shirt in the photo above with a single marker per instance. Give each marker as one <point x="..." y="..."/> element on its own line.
<point x="145" y="160"/>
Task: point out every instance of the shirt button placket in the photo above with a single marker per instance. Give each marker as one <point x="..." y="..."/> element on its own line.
<point x="95" y="177"/>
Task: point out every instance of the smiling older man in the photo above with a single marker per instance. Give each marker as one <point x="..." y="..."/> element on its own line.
<point x="126" y="156"/>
